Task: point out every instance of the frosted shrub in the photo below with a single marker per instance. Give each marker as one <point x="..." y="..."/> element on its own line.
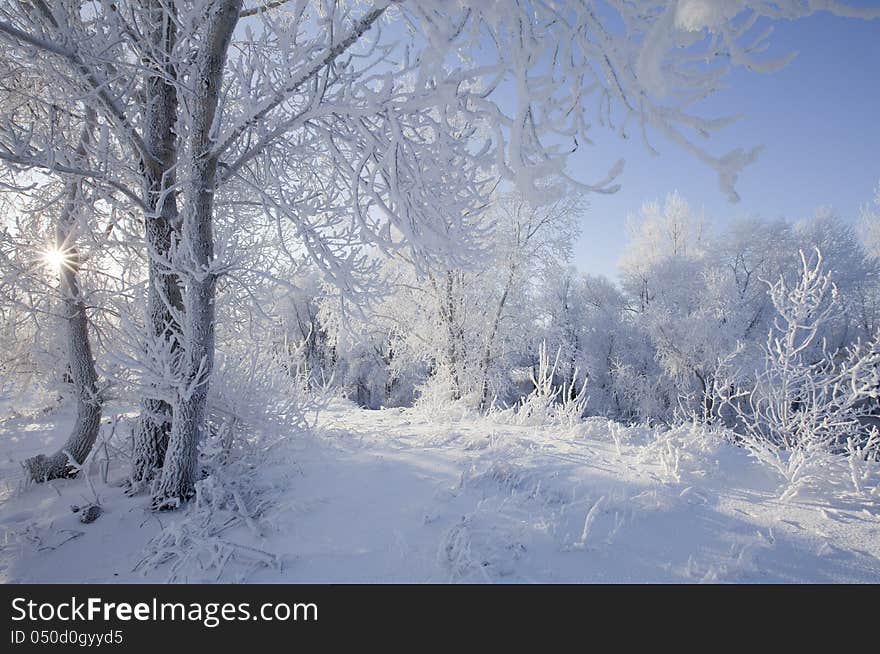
<point x="864" y="461"/>
<point x="688" y="450"/>
<point x="251" y="392"/>
<point x="204" y="544"/>
<point x="807" y="404"/>
<point x="550" y="403"/>
<point x="637" y="394"/>
<point x="571" y="409"/>
<point x="436" y="398"/>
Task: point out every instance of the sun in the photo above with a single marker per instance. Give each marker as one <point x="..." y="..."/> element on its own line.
<point x="55" y="258"/>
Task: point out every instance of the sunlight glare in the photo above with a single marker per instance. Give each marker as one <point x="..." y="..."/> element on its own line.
<point x="55" y="258"/>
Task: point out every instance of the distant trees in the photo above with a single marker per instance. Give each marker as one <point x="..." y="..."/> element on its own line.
<point x="683" y="331"/>
<point x="693" y="300"/>
<point x="460" y="329"/>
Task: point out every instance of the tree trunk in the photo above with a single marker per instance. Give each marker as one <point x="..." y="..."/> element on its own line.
<point x="490" y="338"/>
<point x="454" y="334"/>
<point x="179" y="472"/>
<point x="161" y="224"/>
<point x="451" y="335"/>
<point x="76" y="326"/>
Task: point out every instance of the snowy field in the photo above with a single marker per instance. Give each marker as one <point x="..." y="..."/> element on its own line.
<point x="392" y="496"/>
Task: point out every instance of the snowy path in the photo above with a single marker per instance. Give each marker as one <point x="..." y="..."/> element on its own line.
<point x="401" y="499"/>
<point x="388" y="496"/>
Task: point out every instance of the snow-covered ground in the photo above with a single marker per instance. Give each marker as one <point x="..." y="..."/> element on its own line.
<point x="391" y="496"/>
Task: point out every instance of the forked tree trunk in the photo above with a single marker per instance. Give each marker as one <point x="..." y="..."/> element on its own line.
<point x="181" y="459"/>
<point x="161" y="224"/>
<point x="76" y="327"/>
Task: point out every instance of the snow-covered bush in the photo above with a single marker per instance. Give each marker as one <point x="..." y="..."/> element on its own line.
<point x="438" y="398"/>
<point x="253" y="394"/>
<point x="550" y="402"/>
<point x="808" y="403"/>
<point x="686" y="450"/>
<point x="197" y="546"/>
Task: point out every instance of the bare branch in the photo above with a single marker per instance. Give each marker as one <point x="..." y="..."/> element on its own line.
<point x="253" y="11"/>
<point x="284" y="93"/>
<point x="29" y="162"/>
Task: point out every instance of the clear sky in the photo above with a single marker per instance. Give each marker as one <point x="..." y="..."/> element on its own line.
<point x="819" y="122"/>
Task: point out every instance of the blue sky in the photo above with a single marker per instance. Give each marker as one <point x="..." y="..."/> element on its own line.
<point x="819" y="122"/>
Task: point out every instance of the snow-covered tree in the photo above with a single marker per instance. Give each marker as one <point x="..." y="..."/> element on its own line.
<point x="66" y="258"/>
<point x="657" y="234"/>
